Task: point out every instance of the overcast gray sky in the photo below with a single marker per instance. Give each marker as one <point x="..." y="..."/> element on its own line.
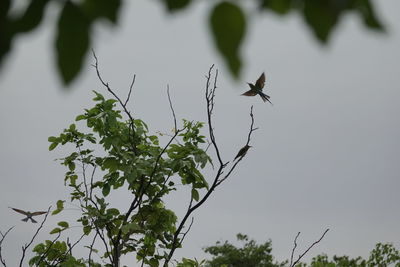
<point x="326" y="155"/>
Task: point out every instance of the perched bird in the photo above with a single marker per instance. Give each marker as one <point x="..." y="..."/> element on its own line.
<point x="242" y="152"/>
<point x="29" y="214"/>
<point x="256" y="89"/>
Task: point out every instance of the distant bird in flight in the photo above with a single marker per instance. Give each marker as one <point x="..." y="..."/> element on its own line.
<point x="29" y="214"/>
<point x="242" y="152"/>
<point x="256" y="89"/>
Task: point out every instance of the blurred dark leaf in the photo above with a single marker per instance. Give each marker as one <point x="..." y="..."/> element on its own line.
<point x="72" y="41"/>
<point x="102" y="9"/>
<point x="368" y="14"/>
<point x="228" y="27"/>
<point x="5" y="35"/>
<point x="31" y="18"/>
<point x="174" y="5"/>
<point x="4" y="7"/>
<point x="278" y="6"/>
<point x="321" y="16"/>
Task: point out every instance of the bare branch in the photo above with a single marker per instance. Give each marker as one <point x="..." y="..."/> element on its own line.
<point x="123" y="105"/>
<point x="172" y="109"/>
<point x="185" y="233"/>
<point x="130" y="90"/>
<point x="294" y="248"/>
<point x="26" y="246"/>
<point x="91" y="249"/>
<point x="210" y="100"/>
<point x="252" y="129"/>
<point x="292" y="264"/>
<point x="3" y="236"/>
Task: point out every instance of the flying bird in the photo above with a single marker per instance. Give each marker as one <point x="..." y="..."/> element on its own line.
<point x="256" y="89"/>
<point x="242" y="152"/>
<point x="29" y="214"/>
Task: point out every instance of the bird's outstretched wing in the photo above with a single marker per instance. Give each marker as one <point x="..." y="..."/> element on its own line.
<point x="36" y="213"/>
<point x="20" y="211"/>
<point x="261" y="81"/>
<point x="250" y="93"/>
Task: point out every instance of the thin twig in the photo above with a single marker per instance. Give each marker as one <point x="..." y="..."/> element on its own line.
<point x="26" y="246"/>
<point x="127" y="112"/>
<point x="252" y="129"/>
<point x="294" y="248"/>
<point x="172" y="109"/>
<point x="185" y="233"/>
<point x="210" y="101"/>
<point x="305" y="252"/>
<point x="3" y="236"/>
<point x="91" y="249"/>
<point x="130" y="90"/>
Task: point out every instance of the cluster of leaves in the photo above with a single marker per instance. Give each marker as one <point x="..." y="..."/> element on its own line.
<point x="228" y="24"/>
<point x="383" y="255"/>
<point x="55" y="254"/>
<point x="251" y="254"/>
<point x="133" y="161"/>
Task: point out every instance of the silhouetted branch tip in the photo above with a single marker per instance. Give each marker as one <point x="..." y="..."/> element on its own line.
<point x="292" y="264"/>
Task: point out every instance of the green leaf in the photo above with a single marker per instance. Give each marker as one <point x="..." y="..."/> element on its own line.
<point x="367" y="11"/>
<point x="60" y="207"/>
<point x="31" y="18"/>
<point x="87" y="229"/>
<point x="228" y="26"/>
<point x="129" y="228"/>
<point x="52" y="146"/>
<point x="102" y="9"/>
<point x="72" y="41"/>
<point x="63" y="224"/>
<point x="195" y="194"/>
<point x="55" y="230"/>
<point x="52" y="139"/>
<point x="153" y="262"/>
<point x="175" y="5"/>
<point x="111" y="164"/>
<point x="106" y="189"/>
<point x="80" y="117"/>
<point x="321" y="16"/>
<point x="71" y="166"/>
<point x="280" y="7"/>
<point x="113" y="212"/>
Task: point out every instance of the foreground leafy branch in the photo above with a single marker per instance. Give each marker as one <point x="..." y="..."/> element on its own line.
<point x="228" y="21"/>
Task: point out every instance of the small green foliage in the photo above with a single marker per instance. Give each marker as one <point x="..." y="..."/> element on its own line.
<point x="55" y="230"/>
<point x="63" y="224"/>
<point x="52" y="253"/>
<point x="60" y="207"/>
<point x="190" y="263"/>
<point x="250" y="254"/>
<point x="383" y="255"/>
